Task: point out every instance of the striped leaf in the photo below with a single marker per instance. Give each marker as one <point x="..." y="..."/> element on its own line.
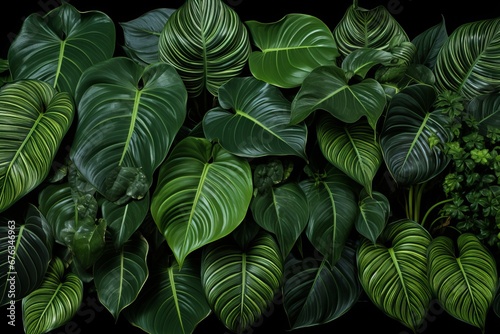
<point x="290" y="49"/>
<point x="206" y="43"/>
<point x="463" y="277"/>
<point x="55" y="301"/>
<point x="34" y="119"/>
<point x="352" y="148"/>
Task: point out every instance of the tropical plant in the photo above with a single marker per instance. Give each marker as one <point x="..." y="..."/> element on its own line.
<point x="198" y="171"/>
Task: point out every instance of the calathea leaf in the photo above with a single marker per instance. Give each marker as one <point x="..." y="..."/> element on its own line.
<point x="374" y="212"/>
<point x="89" y="240"/>
<point x="253" y="121"/>
<point x="203" y="194"/>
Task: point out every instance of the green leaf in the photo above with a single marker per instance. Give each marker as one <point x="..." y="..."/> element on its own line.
<point x="316" y="293"/>
<point x="128" y="117"/>
<point x="58" y="46"/>
<point x="119" y="275"/>
<point x="328" y="88"/>
<point x="282" y="210"/>
<point x="142" y="35"/>
<point x="239" y="285"/>
<point x="464" y="278"/>
<point x="428" y="44"/>
<point x="253" y="121"/>
<point x="352" y="148"/>
<point x="25" y="255"/>
<point x="34" y="119"/>
<point x="393" y="272"/>
<point x="172" y="301"/>
<point x="290" y="49"/>
<point x="206" y="43"/>
<point x="410" y="122"/>
<point x="361" y="61"/>
<point x="333" y="209"/>
<point x="203" y="193"/>
<point x="486" y="111"/>
<point x="89" y="240"/>
<point x="374" y="212"/>
<point x="54" y="303"/>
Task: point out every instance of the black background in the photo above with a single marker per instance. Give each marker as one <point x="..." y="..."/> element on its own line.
<point x="414" y="16"/>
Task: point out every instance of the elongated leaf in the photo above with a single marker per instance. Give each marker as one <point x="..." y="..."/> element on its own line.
<point x="468" y="62"/>
<point x="55" y="302"/>
<point x="316" y="293"/>
<point x="207" y="44"/>
<point x="89" y="240"/>
<point x="327" y="88"/>
<point x="119" y="275"/>
<point x="486" y="110"/>
<point x="282" y="210"/>
<point x="428" y="44"/>
<point x="172" y="301"/>
<point x="333" y="209"/>
<point x="203" y="194"/>
<point x="58" y="46"/>
<point x="142" y="35"/>
<point x="352" y="148"/>
<point x="290" y="49"/>
<point x="464" y="278"/>
<point x="128" y="118"/>
<point x="34" y="119"/>
<point x="25" y="255"/>
<point x="410" y="121"/>
<point x="239" y="285"/>
<point x="374" y="212"/>
<point x="253" y="121"/>
<point x="393" y="272"/>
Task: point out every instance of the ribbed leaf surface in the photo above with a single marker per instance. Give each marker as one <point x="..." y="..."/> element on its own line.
<point x="374" y="212"/>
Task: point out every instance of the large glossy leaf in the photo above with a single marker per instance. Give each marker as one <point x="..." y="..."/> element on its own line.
<point x="172" y="301"/>
<point x="58" y="46"/>
<point x="141" y="35"/>
<point x="410" y="122"/>
<point x="328" y="88"/>
<point x="25" y="255"/>
<point x="351" y="147"/>
<point x="289" y="49"/>
<point x="34" y="119"/>
<point x="123" y="220"/>
<point x="203" y="194"/>
<point x="393" y="272"/>
<point x="429" y="43"/>
<point x="468" y="62"/>
<point x="239" y="285"/>
<point x="463" y="277"/>
<point x="282" y="210"/>
<point x="55" y="302"/>
<point x="486" y="110"/>
<point x="374" y="212"/>
<point x="316" y="293"/>
<point x="253" y="121"/>
<point x="128" y="117"/>
<point x="367" y="28"/>
<point x="333" y="209"/>
<point x="89" y="240"/>
<point x="207" y="44"/>
<point x="119" y="275"/>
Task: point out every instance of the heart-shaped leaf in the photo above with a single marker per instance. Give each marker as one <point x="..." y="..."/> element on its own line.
<point x="374" y="212"/>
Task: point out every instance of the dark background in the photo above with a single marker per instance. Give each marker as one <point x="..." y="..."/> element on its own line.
<point x="415" y="16"/>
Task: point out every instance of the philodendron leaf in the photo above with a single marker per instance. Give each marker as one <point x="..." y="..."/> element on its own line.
<point x="58" y="46"/>
<point x="393" y="272"/>
<point x="142" y="35"/>
<point x="128" y="116"/>
<point x="34" y="118"/>
<point x="253" y="121"/>
<point x="374" y="212"/>
<point x="54" y="302"/>
<point x="328" y="88"/>
<point x="486" y="111"/>
<point x="172" y="301"/>
<point x="25" y="255"/>
<point x="428" y="44"/>
<point x="352" y="148"/>
<point x="290" y="49"/>
<point x="203" y="194"/>
<point x="333" y="208"/>
<point x="119" y="275"/>
<point x="88" y="241"/>
<point x="463" y="277"/>
<point x="316" y="293"/>
<point x="282" y="210"/>
<point x="410" y="122"/>
<point x="207" y="44"/>
<point x="239" y="285"/>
